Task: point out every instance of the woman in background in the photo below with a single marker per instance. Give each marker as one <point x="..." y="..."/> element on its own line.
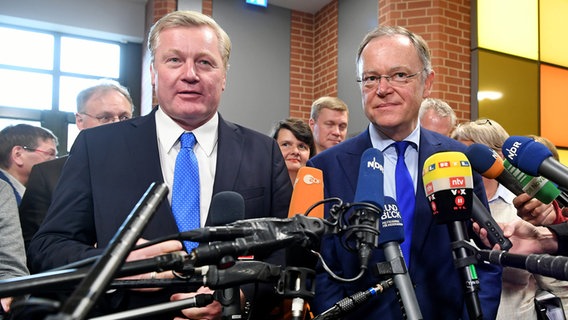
<point x="296" y="142"/>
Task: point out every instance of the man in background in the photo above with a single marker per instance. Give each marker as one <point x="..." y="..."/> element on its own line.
<point x="436" y="115"/>
<point x="21" y="147"/>
<point x="328" y="120"/>
<point x="105" y="102"/>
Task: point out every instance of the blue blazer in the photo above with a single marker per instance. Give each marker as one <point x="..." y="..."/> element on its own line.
<point x="438" y="286"/>
<point x="109" y="169"/>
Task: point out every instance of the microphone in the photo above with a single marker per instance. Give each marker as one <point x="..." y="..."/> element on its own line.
<point x="538" y="187"/>
<point x="448" y="183"/>
<point x="103" y="271"/>
<point x="392" y="234"/>
<point x="490" y="165"/>
<point x="347" y="304"/>
<point x="227" y="207"/>
<point x="369" y="197"/>
<point x="308" y="191"/>
<point x="268" y="234"/>
<point x="543" y="264"/>
<point x="535" y="159"/>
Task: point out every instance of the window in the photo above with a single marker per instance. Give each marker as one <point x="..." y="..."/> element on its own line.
<point x="42" y="72"/>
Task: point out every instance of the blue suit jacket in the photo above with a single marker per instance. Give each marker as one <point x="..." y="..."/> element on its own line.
<point x="439" y="288"/>
<point x="109" y="169"/>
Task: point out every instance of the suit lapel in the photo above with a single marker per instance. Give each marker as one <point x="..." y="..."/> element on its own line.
<point x="229" y="155"/>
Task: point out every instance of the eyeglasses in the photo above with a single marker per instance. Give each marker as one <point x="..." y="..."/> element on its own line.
<point x="51" y="154"/>
<point x="107" y="117"/>
<point x="395" y="79"/>
<point x="483" y="121"/>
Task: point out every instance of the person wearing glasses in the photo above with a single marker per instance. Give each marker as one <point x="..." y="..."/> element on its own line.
<point x="21" y="147"/>
<point x="395" y="74"/>
<point x="111" y="167"/>
<point x="107" y="101"/>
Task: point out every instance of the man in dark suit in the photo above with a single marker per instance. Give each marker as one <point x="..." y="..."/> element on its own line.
<point x="105" y="102"/>
<point x="395" y="72"/>
<point x="110" y="167"/>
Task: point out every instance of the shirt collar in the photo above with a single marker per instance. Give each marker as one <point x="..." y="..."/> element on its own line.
<point x="504" y="194"/>
<point x="169" y="132"/>
<point x="382" y="142"/>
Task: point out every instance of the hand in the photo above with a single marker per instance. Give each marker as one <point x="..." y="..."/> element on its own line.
<point x="210" y="312"/>
<point x="150" y="252"/>
<point x="526" y="237"/>
<point x="534" y="211"/>
<point x="6" y="302"/>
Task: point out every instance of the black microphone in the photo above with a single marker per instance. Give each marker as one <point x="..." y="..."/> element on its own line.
<point x="368" y="203"/>
<point x="489" y="164"/>
<point x="483" y="217"/>
<point x="535" y="159"/>
<point x="227" y="207"/>
<point x="103" y="271"/>
<point x="347" y="304"/>
<point x="448" y="183"/>
<point x="269" y="234"/>
<point x="392" y="234"/>
<point x="543" y="264"/>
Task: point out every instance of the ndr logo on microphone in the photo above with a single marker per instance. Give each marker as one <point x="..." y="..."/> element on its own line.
<point x="374" y="164"/>
<point x="512" y="152"/>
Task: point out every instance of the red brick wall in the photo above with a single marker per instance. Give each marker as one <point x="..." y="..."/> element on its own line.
<point x="313" y="58"/>
<point x="301" y="64"/>
<point x="445" y="25"/>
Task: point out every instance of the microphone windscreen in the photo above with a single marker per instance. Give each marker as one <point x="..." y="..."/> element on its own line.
<point x="226" y="207"/>
<point x="448" y="183"/>
<point x="390" y="226"/>
<point x="308" y="189"/>
<point x="485" y="160"/>
<point x="525" y="153"/>
<point x="370" y="184"/>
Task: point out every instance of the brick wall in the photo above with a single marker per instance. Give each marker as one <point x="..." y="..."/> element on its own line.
<point x="313" y="58"/>
<point x="445" y="25"/>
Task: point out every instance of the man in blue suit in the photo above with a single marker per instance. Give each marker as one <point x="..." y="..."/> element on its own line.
<point x="395" y="71"/>
<point x="110" y="167"/>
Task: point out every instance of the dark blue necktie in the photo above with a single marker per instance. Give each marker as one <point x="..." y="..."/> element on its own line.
<point x="185" y="193"/>
<point x="405" y="197"/>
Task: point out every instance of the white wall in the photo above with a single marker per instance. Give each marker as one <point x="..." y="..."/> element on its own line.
<point x="106" y="19"/>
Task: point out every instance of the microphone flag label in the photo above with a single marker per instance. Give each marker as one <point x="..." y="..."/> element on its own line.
<point x="448" y="183"/>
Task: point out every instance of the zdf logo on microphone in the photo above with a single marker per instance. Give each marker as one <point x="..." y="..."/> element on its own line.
<point x="309" y="179"/>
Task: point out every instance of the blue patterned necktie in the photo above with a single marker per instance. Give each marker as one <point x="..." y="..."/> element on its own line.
<point x="405" y="197"/>
<point x="185" y="193"/>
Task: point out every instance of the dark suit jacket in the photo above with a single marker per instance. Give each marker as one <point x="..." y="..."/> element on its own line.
<point x="37" y="198"/>
<point x="439" y="288"/>
<point x="109" y="169"/>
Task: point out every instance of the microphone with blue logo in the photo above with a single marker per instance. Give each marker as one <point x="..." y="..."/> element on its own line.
<point x="368" y="202"/>
<point x="535" y="158"/>
<point x="391" y="235"/>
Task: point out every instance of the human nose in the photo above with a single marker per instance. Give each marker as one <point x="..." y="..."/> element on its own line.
<point x="383" y="86"/>
<point x="190" y="74"/>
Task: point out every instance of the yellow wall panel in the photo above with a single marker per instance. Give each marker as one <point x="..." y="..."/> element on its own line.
<point x="553" y="27"/>
<point x="517" y="80"/>
<point x="554" y="105"/>
<point x="509" y="26"/>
